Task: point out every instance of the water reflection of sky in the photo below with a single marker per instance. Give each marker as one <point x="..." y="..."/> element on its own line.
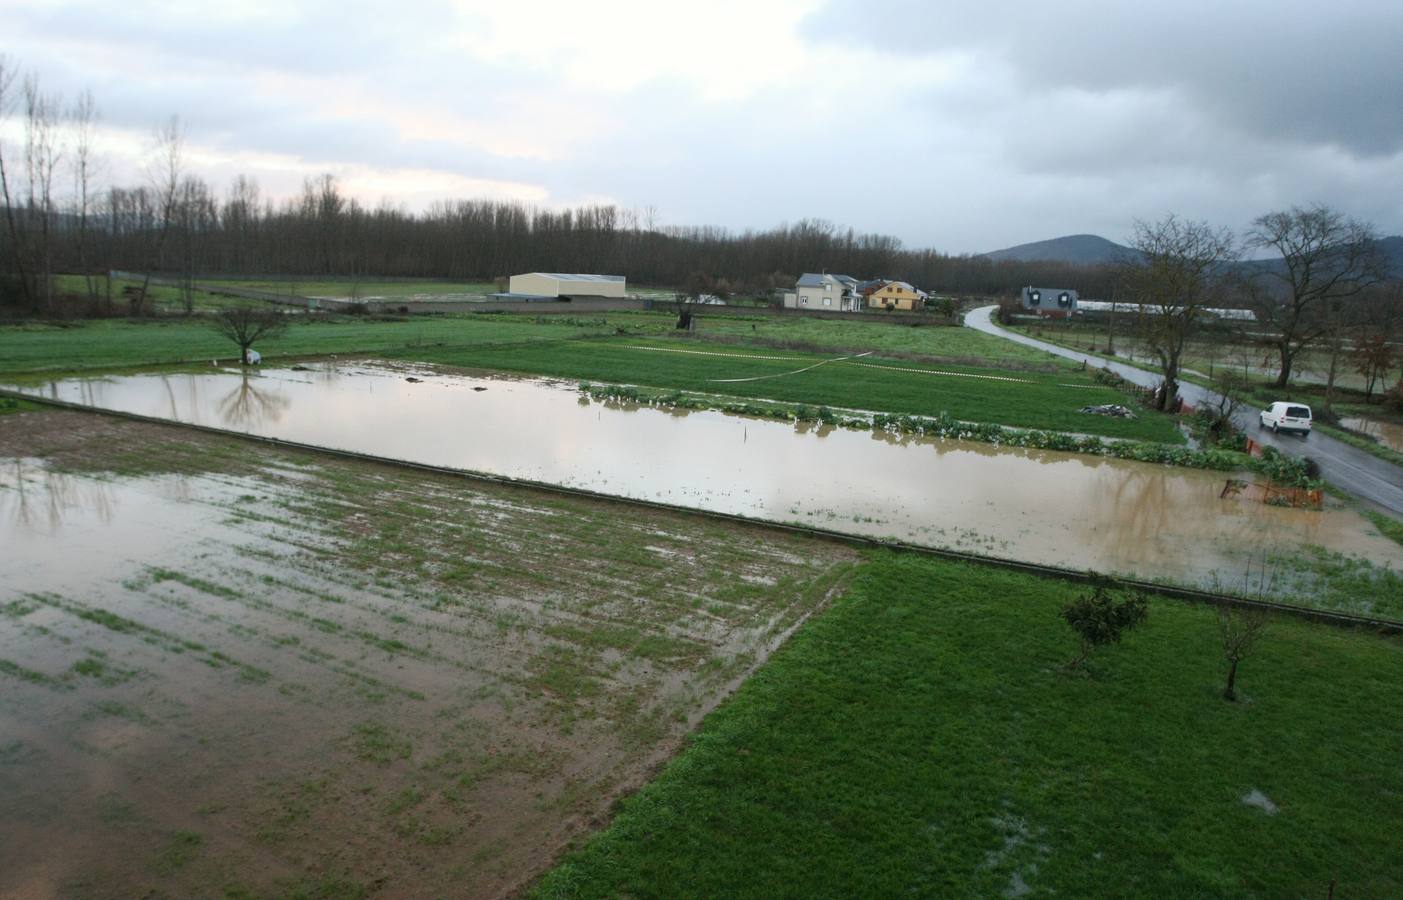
<point x="1049" y="507"/>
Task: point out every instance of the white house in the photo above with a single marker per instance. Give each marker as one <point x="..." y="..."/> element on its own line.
<point x="556" y="284"/>
<point x="821" y="291"/>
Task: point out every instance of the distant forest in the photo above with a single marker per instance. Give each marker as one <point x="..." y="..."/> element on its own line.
<point x="59" y="217"/>
<point x="323" y="233"/>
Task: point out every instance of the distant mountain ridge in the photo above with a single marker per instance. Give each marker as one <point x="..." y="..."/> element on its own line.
<point x="1075" y="249"/>
<point x="1092" y="250"/>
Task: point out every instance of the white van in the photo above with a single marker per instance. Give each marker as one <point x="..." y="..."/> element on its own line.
<point x="1283" y="416"/>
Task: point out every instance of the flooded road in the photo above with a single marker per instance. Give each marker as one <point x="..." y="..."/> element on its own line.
<point x="1039" y="506"/>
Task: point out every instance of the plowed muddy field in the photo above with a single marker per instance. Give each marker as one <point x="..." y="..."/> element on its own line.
<point x="232" y="671"/>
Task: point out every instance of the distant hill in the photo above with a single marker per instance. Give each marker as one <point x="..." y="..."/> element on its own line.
<point x="1076" y="249"/>
<point x="1091" y="249"/>
<point x="1393" y="249"/>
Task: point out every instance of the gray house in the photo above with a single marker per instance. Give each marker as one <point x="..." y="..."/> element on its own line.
<point x="1050" y="301"/>
<point x="834" y="293"/>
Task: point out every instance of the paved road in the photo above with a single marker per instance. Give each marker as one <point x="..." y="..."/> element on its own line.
<point x="1366" y="476"/>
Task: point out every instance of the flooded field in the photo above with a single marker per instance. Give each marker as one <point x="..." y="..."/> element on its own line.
<point x="229" y="673"/>
<point x="1040" y="506"/>
<point x="1386" y="433"/>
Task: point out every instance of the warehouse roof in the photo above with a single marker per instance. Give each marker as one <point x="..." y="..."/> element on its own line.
<point x="579" y="277"/>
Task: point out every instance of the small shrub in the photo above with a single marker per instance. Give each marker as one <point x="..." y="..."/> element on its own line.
<point x="1099" y="618"/>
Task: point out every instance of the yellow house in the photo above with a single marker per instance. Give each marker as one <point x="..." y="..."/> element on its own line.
<point x="897" y="295"/>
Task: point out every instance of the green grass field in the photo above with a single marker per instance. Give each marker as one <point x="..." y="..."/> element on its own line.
<point x="539" y="345"/>
<point x="923" y="739"/>
<point x="113" y="343"/>
<point x="345" y="288"/>
<point x="158" y="297"/>
<point x="963" y="344"/>
<point x="1046" y="402"/>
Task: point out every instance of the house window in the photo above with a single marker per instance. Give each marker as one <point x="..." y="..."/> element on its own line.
<point x="828" y="287"/>
<point x="804" y="300"/>
<point x="827" y="301"/>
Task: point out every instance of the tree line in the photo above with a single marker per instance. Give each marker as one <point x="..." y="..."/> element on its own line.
<point x="1326" y="284"/>
<point x="59" y="218"/>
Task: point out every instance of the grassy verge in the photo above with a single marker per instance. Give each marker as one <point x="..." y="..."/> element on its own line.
<point x="1019" y="399"/>
<point x="1363" y="443"/>
<point x="1389" y="527"/>
<point x="31" y="348"/>
<point x="922" y="738"/>
<point x="10" y="405"/>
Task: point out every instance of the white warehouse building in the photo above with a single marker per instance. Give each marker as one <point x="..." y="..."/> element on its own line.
<point x="556" y="284"/>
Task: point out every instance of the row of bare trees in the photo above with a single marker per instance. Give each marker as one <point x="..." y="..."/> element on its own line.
<point x="1327" y="285"/>
<point x="59" y="219"/>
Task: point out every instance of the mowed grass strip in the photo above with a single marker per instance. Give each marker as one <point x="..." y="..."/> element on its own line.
<point x="922" y="738"/>
<point x="1029" y="400"/>
<point x="114" y="343"/>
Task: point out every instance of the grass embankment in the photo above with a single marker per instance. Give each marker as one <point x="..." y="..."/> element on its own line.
<point x="923" y="738"/>
<point x="1025" y="400"/>
<point x="1388" y="526"/>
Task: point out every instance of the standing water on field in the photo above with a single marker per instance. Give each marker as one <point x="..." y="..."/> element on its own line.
<point x="1048" y="507"/>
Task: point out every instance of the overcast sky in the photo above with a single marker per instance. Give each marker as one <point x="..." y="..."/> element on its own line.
<point x="959" y="125"/>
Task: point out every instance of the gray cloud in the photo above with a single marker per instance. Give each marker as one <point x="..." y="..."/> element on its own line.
<point x="1026" y="122"/>
<point x="1287" y="69"/>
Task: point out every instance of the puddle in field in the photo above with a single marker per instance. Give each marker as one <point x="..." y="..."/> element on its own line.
<point x="1386" y="433"/>
<point x="229" y="680"/>
<point x="1040" y="506"/>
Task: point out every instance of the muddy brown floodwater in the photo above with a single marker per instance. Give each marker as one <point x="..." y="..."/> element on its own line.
<point x="1387" y="433"/>
<point x="1038" y="506"/>
<point x="306" y="676"/>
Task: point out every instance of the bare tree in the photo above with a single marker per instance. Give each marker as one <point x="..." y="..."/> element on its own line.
<point x="246" y="324"/>
<point x="83" y="120"/>
<point x="1381" y="324"/>
<point x="1180" y="274"/>
<point x="42" y="152"/>
<point x="18" y="236"/>
<point x="1326" y="258"/>
<point x="163" y="172"/>
<point x="1240" y="628"/>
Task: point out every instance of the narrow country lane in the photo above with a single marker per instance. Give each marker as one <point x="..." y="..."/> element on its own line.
<point x="1374" y="480"/>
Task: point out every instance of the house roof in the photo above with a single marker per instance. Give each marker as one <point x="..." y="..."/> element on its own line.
<point x="900" y="284"/>
<point x="561" y="276"/>
<point x="819" y="279"/>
